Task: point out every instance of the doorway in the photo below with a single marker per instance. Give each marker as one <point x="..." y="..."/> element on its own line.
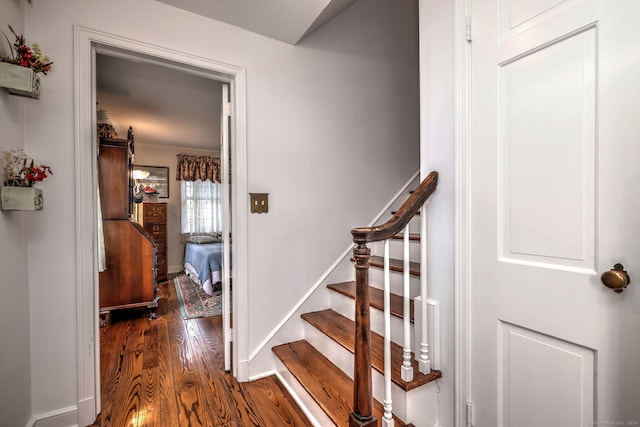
<point x="170" y="113"/>
<point x="89" y="43"/>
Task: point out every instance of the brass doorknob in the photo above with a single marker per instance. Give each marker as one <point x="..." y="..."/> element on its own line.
<point x="616" y="278"/>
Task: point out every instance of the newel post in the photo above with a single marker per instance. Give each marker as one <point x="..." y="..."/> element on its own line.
<point x="362" y="415"/>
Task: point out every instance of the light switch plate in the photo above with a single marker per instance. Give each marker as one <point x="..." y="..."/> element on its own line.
<point x="259" y="202"/>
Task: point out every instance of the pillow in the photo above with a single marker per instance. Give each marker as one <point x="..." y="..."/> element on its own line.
<point x="202" y="239"/>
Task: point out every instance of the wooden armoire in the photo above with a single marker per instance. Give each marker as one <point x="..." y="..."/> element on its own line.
<point x="129" y="279"/>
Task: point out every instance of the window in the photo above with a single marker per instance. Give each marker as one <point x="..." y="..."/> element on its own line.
<point x="201" y="207"/>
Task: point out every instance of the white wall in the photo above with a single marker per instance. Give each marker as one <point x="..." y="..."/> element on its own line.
<point x="158" y="155"/>
<point x="437" y="98"/>
<point x="332" y="133"/>
<point x="15" y="381"/>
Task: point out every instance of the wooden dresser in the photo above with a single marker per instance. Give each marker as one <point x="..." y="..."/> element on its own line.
<point x="153" y="218"/>
<point x="129" y="279"/>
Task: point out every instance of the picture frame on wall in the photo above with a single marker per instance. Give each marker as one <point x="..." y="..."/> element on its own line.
<point x="156" y="177"/>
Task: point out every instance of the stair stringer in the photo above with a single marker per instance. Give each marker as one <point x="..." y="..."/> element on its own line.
<point x="311" y="409"/>
<point x="261" y="361"/>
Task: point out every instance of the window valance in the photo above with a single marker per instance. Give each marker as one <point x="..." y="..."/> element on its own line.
<point x="193" y="168"/>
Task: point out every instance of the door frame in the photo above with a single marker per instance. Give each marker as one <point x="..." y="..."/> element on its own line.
<point x="87" y="42"/>
<point x="463" y="413"/>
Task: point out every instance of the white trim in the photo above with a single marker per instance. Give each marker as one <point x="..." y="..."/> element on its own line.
<point x="87" y="410"/>
<point x="301" y="402"/>
<point x="322" y="278"/>
<point x="87" y="41"/>
<point x="225" y="140"/>
<point x="262" y="375"/>
<point x="462" y="328"/>
<point x="63" y="417"/>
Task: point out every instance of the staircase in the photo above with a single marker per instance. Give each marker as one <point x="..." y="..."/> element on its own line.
<point x="338" y="370"/>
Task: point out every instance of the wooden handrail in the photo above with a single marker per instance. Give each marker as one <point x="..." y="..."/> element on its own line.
<point x="362" y="414"/>
<point x="402" y="216"/>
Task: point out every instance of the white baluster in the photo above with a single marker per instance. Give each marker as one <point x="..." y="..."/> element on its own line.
<point x="387" y="418"/>
<point x="424" y="363"/>
<point x="406" y="369"/>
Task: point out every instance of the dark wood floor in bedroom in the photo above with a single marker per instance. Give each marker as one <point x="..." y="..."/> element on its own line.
<point x="169" y="372"/>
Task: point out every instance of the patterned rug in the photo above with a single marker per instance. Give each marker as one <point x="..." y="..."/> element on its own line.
<point x="194" y="302"/>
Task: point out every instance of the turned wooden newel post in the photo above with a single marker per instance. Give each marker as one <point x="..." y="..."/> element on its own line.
<point x="362" y="414"/>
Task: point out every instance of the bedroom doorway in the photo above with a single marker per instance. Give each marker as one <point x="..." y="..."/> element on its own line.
<point x="180" y="124"/>
<point x="90" y="44"/>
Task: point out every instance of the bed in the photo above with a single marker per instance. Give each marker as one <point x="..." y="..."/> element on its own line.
<point x="203" y="264"/>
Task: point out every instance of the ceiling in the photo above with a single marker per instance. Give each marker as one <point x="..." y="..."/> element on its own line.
<point x="164" y="105"/>
<point x="169" y="106"/>
<point x="285" y="20"/>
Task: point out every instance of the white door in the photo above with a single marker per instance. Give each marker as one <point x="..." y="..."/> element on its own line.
<point x="554" y="201"/>
<point x="226" y="226"/>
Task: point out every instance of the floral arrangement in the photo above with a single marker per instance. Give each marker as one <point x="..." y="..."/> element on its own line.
<point x="25" y="56"/>
<point x="21" y="170"/>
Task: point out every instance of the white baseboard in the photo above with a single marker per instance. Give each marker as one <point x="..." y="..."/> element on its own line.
<point x="64" y="417"/>
<point x="309" y="407"/>
<point x="87" y="411"/>
<point x="262" y="375"/>
<point x="172" y="269"/>
<point x="242" y="373"/>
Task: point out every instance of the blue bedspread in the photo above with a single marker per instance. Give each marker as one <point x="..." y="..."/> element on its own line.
<point x="206" y="260"/>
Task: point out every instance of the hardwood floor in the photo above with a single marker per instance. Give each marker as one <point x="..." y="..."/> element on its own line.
<point x="169" y="372"/>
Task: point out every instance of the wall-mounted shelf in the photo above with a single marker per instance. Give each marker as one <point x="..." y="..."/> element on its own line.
<point x="18" y="80"/>
<point x="21" y="199"/>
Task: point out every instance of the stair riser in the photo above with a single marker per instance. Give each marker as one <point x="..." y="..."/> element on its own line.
<point x="346" y="306"/>
<point x="314" y="412"/>
<point x="396" y="281"/>
<point x="344" y="359"/>
<point x="396" y="249"/>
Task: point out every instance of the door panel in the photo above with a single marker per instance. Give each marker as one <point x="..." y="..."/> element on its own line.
<point x="553" y="196"/>
<point x="539" y="371"/>
<point x="519" y="15"/>
<point x="547" y="152"/>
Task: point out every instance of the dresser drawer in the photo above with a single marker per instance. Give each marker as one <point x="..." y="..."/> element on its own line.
<point x="155" y="228"/>
<point x="154" y="213"/>
<point x="154" y="221"/>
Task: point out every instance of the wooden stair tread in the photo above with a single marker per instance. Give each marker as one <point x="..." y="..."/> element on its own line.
<point x="342" y="330"/>
<point x="331" y="388"/>
<point x="412" y="236"/>
<point x="395" y="265"/>
<point x="376" y="298"/>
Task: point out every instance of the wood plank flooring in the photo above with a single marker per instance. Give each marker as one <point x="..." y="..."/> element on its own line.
<point x="169" y="372"/>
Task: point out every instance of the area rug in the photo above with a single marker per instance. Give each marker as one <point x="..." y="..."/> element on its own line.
<point x="194" y="302"/>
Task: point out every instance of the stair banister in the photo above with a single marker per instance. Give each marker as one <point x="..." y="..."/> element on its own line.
<point x="362" y="414"/>
<point x="387" y="417"/>
<point x="406" y="369"/>
<point x="424" y="362"/>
